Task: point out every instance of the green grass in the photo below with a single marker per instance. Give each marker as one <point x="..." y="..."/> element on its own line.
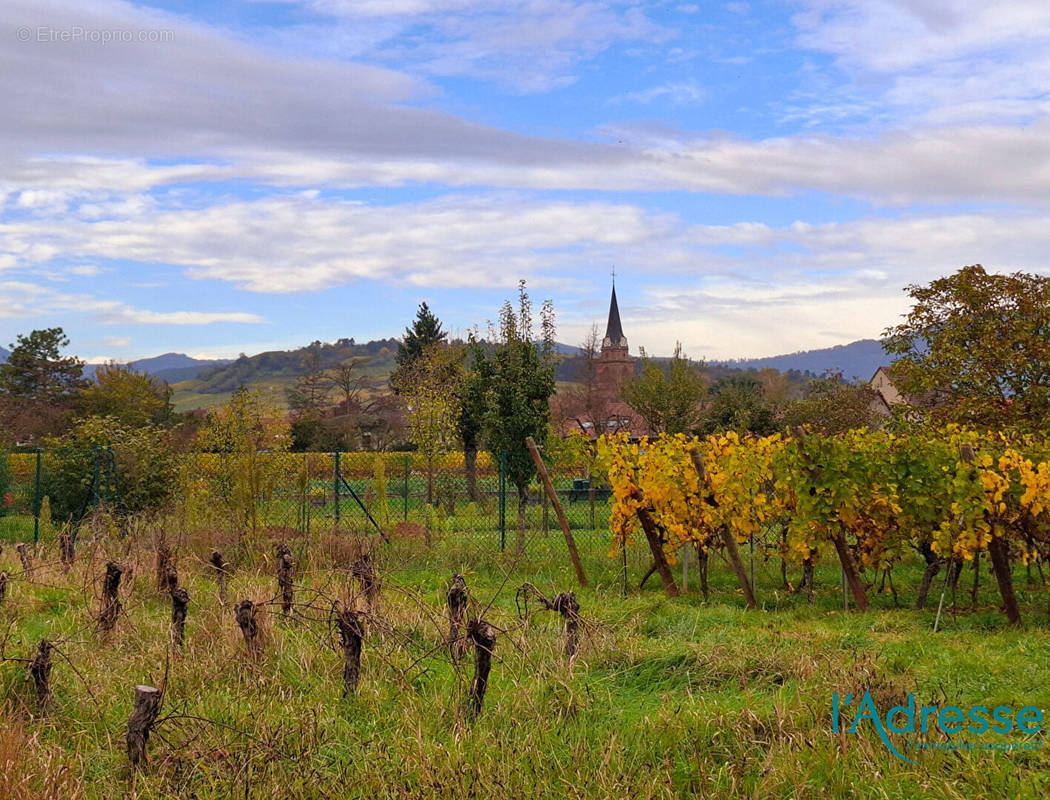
<point x="668" y="697"/>
<point x="16" y="528"/>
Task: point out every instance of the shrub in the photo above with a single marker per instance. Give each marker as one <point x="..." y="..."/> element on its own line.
<point x="142" y="474"/>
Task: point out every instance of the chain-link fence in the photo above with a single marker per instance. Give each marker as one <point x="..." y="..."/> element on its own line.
<point x="400" y="497"/>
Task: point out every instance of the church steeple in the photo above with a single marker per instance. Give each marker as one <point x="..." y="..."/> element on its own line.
<point x="614" y="337"/>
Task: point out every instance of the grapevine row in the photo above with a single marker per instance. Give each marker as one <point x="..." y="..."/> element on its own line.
<point x="869" y="498"/>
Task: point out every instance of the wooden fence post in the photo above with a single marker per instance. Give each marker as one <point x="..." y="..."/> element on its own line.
<point x="656" y="546"/>
<point x="534" y="451"/>
<point x="729" y="542"/>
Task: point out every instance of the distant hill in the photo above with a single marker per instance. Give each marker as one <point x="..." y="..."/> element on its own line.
<point x="170" y="367"/>
<point x="286" y="365"/>
<point x="175" y="367"/>
<point x="4" y="354"/>
<point x="275" y="371"/>
<point x="856" y="360"/>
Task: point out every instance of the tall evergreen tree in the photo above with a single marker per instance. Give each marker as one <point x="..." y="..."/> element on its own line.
<point x="36" y="371"/>
<point x="38" y="386"/>
<point x="424" y="332"/>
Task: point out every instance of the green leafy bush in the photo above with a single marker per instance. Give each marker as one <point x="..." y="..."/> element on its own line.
<point x="132" y="467"/>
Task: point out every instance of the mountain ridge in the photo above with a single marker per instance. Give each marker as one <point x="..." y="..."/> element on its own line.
<point x="857" y="361"/>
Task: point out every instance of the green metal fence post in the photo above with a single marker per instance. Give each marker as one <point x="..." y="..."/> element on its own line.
<point x="337" y="478"/>
<point x="590" y="498"/>
<point x="404" y="498"/>
<point x="38" y="500"/>
<point x="502" y="501"/>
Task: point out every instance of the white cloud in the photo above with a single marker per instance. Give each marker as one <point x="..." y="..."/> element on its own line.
<point x="24" y="300"/>
<point x="85" y="270"/>
<point x="526" y="45"/>
<point x="301" y="243"/>
<point x="308" y="123"/>
<point x="804" y="286"/>
<point x="979" y="163"/>
<point x="942" y="61"/>
<point x="681" y="93"/>
<point x="830" y="280"/>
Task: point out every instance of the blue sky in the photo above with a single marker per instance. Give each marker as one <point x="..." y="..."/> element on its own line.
<point x="764" y="177"/>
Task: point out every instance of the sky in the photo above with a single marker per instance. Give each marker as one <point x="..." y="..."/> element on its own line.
<point x="763" y="177"/>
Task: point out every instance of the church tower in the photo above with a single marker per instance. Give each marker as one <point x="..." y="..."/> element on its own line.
<point x="615" y="366"/>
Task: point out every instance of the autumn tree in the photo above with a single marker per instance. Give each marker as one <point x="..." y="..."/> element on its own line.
<point x="132" y="398"/>
<point x="348" y="379"/>
<point x="241" y="434"/>
<point x="831" y="405"/>
<point x="307" y="399"/>
<point x="669" y="399"/>
<point x="309" y="392"/>
<point x="518" y="375"/>
<point x="433" y="406"/>
<point x="974" y="349"/>
<point x="738" y="403"/>
<point x="470" y="421"/>
<point x="777" y="389"/>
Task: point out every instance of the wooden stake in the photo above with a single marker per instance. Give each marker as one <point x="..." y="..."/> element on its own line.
<point x="367" y="579"/>
<point x="162" y="563"/>
<point x="534" y="451"/>
<point x="728" y="541"/>
<point x="568" y="606"/>
<point x="140" y="723"/>
<point x="1000" y="558"/>
<point x="456" y="599"/>
<point x="40" y="671"/>
<point x="285" y="571"/>
<point x="656" y="546"/>
<point x="23" y="556"/>
<point x="180" y="599"/>
<point x="351" y="634"/>
<point x="483" y="637"/>
<point x="249" y="625"/>
<point x="849" y="570"/>
<point x="222" y="573"/>
<point x="67" y="554"/>
<point x="110" y="599"/>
